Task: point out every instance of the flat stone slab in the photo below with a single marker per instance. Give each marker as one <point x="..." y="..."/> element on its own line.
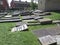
<point x="3" y="13"/>
<point x="57" y="37"/>
<point x="31" y="17"/>
<point x="20" y="23"/>
<point x="25" y="13"/>
<point x="2" y="16"/>
<point x="47" y="40"/>
<point x="11" y="20"/>
<point x="32" y="24"/>
<point x="47" y="13"/>
<point x="31" y="20"/>
<point x="27" y="17"/>
<point x="47" y="31"/>
<point x="37" y="17"/>
<point x="8" y="16"/>
<point x="56" y="21"/>
<point x="15" y="14"/>
<point x="45" y="21"/>
<point x="43" y="14"/>
<point x="21" y="27"/>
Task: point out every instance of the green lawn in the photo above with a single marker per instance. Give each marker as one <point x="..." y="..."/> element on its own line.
<point x="25" y="37"/>
<point x="54" y="16"/>
<point x="19" y="38"/>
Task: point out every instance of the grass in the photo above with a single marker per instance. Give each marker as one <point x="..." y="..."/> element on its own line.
<point x="22" y="38"/>
<point x="54" y="16"/>
<point x="18" y="38"/>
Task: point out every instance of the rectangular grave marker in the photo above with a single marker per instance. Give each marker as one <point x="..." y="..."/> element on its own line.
<point x="47" y="40"/>
<point x="20" y="28"/>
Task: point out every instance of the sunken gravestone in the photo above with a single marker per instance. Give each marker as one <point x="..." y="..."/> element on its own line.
<point x="47" y="40"/>
<point x="21" y="27"/>
<point x="45" y="21"/>
<point x="57" y="37"/>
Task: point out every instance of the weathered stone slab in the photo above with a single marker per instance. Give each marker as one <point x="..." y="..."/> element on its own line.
<point x="3" y="13"/>
<point x="57" y="37"/>
<point x="46" y="13"/>
<point x="20" y="23"/>
<point x="8" y="16"/>
<point x="41" y="13"/>
<point x="32" y="24"/>
<point x="47" y="40"/>
<point x="47" y="31"/>
<point x="41" y="33"/>
<point x="11" y="20"/>
<point x="22" y="27"/>
<point x="31" y="21"/>
<point x="15" y="14"/>
<point x="37" y="17"/>
<point x="27" y="17"/>
<point x="56" y="21"/>
<point x="45" y="21"/>
<point x="25" y="13"/>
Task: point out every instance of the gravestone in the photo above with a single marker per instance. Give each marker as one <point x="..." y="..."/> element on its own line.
<point x="27" y="17"/>
<point x="57" y="37"/>
<point x="47" y="40"/>
<point x="10" y="20"/>
<point x="23" y="27"/>
<point x="7" y="16"/>
<point x="37" y="17"/>
<point x="3" y="14"/>
<point x="46" y="13"/>
<point x="45" y="21"/>
<point x="14" y="14"/>
<point x="33" y="24"/>
<point x="25" y="13"/>
<point x="47" y="31"/>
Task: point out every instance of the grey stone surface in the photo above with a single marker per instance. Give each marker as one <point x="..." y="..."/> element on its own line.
<point x="27" y="17"/>
<point x="45" y="21"/>
<point x="32" y="24"/>
<point x="20" y="23"/>
<point x="47" y="40"/>
<point x="25" y="13"/>
<point x="56" y="21"/>
<point x="37" y="17"/>
<point x="11" y="20"/>
<point x="47" y="31"/>
<point x="57" y="37"/>
<point x="31" y="17"/>
<point x="3" y="13"/>
<point x="15" y="13"/>
<point x="21" y="27"/>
